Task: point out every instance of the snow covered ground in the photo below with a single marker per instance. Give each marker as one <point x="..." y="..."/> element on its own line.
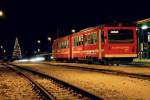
<point x="109" y="87"/>
<point x="129" y="69"/>
<point x="14" y="87"/>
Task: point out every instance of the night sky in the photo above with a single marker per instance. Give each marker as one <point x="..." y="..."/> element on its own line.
<point x="31" y="20"/>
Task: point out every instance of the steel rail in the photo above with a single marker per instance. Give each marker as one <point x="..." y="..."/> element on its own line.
<point x="43" y="93"/>
<point x="107" y="71"/>
<point x="76" y="89"/>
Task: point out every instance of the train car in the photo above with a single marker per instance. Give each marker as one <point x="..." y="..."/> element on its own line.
<point x="106" y="44"/>
<point x="120" y="44"/>
<point x="85" y="44"/>
<point x="61" y="48"/>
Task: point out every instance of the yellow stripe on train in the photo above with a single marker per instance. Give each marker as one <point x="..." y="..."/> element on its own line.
<point x="120" y="55"/>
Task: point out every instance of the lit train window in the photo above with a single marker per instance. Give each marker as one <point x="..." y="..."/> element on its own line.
<point x="94" y="38"/>
<point x="91" y="38"/>
<point x="78" y="41"/>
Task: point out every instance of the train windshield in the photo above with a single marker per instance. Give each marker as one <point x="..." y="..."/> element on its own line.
<point x="120" y="35"/>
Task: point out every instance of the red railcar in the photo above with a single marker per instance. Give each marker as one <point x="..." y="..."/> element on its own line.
<point x="61" y="48"/>
<point x="106" y="44"/>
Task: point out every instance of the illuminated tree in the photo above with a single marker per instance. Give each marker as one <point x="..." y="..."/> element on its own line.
<point x="17" y="50"/>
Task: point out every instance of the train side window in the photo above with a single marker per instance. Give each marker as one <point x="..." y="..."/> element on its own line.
<point x="89" y="39"/>
<point x="85" y="39"/>
<point x="60" y="45"/>
<point x="80" y="40"/>
<point x="76" y="41"/>
<point x="94" y="38"/>
<point x="67" y="44"/>
<point x="64" y="46"/>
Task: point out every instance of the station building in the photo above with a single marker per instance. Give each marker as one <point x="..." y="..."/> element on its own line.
<point x="143" y="32"/>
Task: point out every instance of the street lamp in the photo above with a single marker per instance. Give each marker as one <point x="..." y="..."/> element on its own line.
<point x="4" y="51"/>
<point x="1" y="13"/>
<point x="38" y="41"/>
<point x="73" y="30"/>
<point x="38" y="50"/>
<point x="49" y="41"/>
<point x="1" y="47"/>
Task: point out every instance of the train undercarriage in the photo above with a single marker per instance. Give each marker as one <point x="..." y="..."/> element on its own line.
<point x="103" y="61"/>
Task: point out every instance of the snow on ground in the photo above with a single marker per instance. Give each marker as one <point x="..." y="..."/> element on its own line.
<point x="109" y="87"/>
<point x="14" y="87"/>
<point x="129" y="69"/>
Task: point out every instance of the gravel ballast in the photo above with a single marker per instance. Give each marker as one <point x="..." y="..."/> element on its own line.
<point x="109" y="87"/>
<point x="14" y="87"/>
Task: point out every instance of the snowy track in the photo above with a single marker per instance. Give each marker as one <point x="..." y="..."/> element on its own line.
<point x="40" y="91"/>
<point x="109" y="71"/>
<point x="14" y="86"/>
<point x="58" y="88"/>
<point x="107" y="86"/>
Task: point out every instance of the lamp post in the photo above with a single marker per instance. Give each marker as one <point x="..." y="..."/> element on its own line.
<point x="39" y="42"/>
<point x="49" y="45"/>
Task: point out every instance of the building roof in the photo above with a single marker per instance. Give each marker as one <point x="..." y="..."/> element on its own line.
<point x="143" y="21"/>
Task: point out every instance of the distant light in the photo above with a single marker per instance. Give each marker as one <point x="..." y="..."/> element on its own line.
<point x="38" y="50"/>
<point x="49" y="38"/>
<point x="39" y="41"/>
<point x="1" y="47"/>
<point x="4" y="51"/>
<point x="52" y="57"/>
<point x="1" y="13"/>
<point x="37" y="59"/>
<point x="23" y="60"/>
<point x="144" y="27"/>
<point x="35" y="52"/>
<point x="73" y="30"/>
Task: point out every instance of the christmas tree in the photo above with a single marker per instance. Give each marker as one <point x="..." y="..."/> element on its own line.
<point x="17" y="50"/>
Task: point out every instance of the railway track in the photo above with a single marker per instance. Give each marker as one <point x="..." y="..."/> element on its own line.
<point x="108" y="71"/>
<point x="58" y="88"/>
<point x="142" y="65"/>
<point x="40" y="90"/>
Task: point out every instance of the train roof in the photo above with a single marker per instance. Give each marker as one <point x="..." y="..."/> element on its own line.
<point x="96" y="27"/>
<point x="62" y="37"/>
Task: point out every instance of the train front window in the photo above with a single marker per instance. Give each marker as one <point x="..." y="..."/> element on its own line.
<point x="120" y="35"/>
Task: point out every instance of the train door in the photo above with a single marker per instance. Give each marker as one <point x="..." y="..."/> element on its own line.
<point x="100" y="36"/>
